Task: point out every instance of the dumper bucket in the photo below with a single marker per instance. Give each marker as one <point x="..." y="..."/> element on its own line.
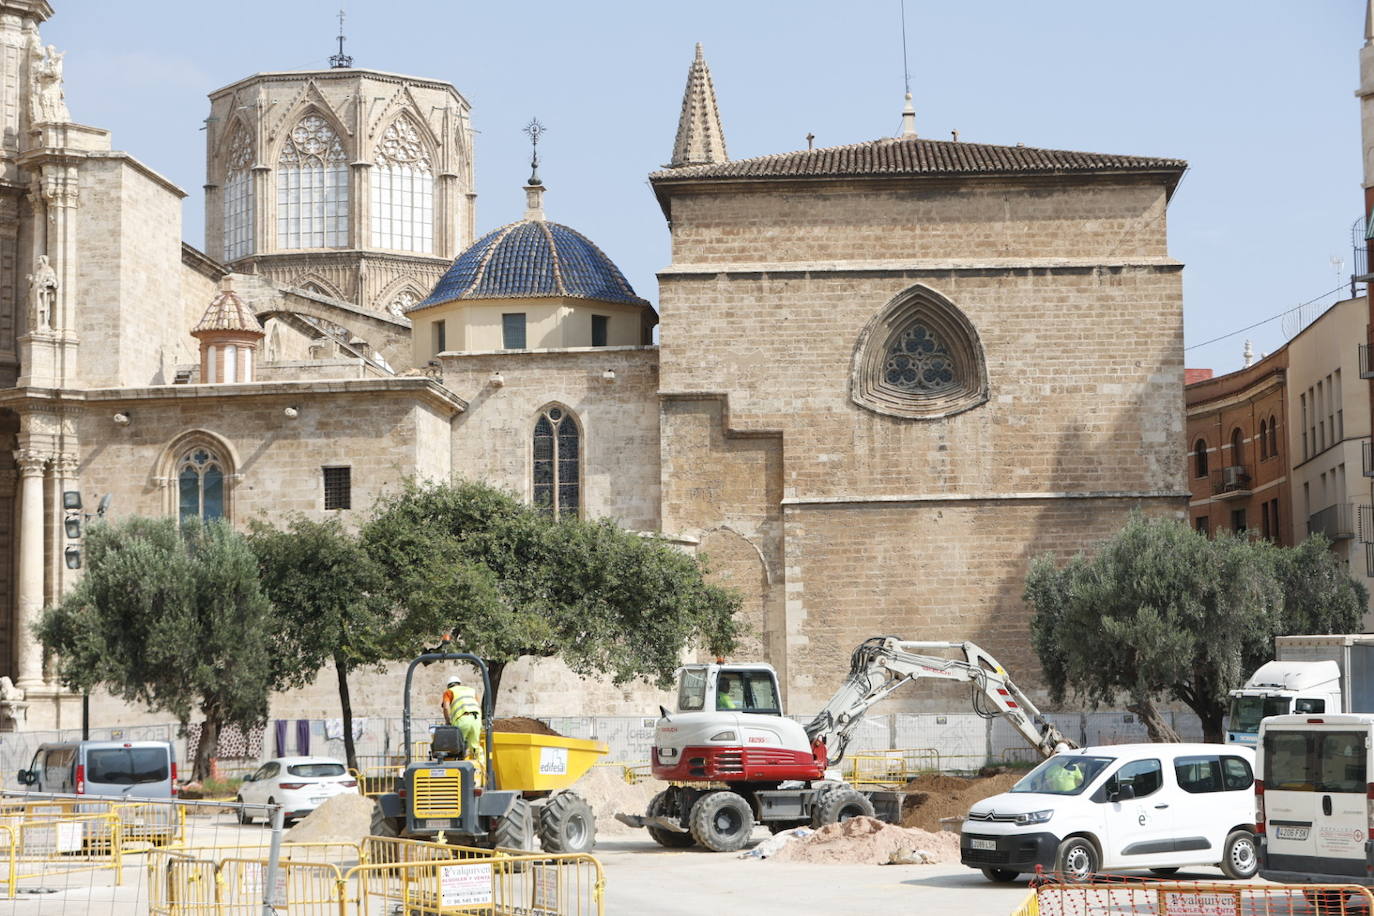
<point x="541" y="763"/>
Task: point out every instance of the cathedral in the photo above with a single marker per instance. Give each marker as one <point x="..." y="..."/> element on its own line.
<point x="886" y="375"/>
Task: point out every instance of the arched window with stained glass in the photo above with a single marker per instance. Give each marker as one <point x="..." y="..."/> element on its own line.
<point x="403" y="190"/>
<point x="312" y="187"/>
<point x="238" y="196"/>
<point x="557" y="465"/>
<point x="200" y="485"/>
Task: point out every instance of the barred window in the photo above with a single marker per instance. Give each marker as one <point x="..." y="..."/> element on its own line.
<point x="200" y="485"/>
<point x="403" y="191"/>
<point x="513" y="331"/>
<point x="338" y="488"/>
<point x="238" y="196"/>
<point x="557" y="466"/>
<point x="312" y="188"/>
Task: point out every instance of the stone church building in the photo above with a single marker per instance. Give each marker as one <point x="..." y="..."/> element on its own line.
<point x="887" y="374"/>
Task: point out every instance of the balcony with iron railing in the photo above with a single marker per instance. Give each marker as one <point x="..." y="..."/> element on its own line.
<point x="1336" y="522"/>
<point x="1231" y="482"/>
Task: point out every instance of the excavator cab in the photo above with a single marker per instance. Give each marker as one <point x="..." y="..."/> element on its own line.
<point x="729" y="688"/>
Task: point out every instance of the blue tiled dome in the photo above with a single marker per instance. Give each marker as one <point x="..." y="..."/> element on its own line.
<point x="531" y="259"/>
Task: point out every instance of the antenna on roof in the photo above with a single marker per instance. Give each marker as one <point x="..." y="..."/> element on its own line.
<point x="340" y="60"/>
<point x="908" y="111"/>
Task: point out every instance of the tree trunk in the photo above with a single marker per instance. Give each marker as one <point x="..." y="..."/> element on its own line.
<point x="346" y="705"/>
<point x="1158" y="727"/>
<point x="494" y="671"/>
<point x="208" y="748"/>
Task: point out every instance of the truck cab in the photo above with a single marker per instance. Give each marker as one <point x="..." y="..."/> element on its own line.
<point x="1279" y="688"/>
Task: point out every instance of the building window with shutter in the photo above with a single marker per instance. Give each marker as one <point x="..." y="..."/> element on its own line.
<point x="513" y="331"/>
<point x="557" y="465"/>
<point x="599" y="330"/>
<point x="338" y="488"/>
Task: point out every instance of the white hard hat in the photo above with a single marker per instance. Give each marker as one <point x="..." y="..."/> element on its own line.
<point x="454" y="679"/>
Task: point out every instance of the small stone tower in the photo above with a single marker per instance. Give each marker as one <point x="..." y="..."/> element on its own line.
<point x="700" y="139"/>
<point x="229" y="336"/>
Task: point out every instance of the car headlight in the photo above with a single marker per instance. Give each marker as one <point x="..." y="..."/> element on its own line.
<point x="1034" y="817"/>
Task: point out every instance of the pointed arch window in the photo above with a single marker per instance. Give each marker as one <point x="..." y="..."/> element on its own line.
<point x="200" y="485"/>
<point x="557" y="463"/>
<point x="1273" y="438"/>
<point x="238" y="196"/>
<point x="1264" y="439"/>
<point x="920" y="358"/>
<point x="312" y="187"/>
<point x="403" y="190"/>
<point x="1200" y="458"/>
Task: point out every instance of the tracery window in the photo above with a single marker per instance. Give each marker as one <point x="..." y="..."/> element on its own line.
<point x="200" y="485"/>
<point x="920" y="358"/>
<point x="312" y="187"/>
<point x="402" y="301"/>
<point x="238" y="196"/>
<point x="403" y="190"/>
<point x="557" y="466"/>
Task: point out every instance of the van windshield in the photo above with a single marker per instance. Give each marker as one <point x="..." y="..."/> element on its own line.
<point x="1063" y="774"/>
<point x="127" y="766"/>
<point x="1315" y="762"/>
<point x="1246" y="712"/>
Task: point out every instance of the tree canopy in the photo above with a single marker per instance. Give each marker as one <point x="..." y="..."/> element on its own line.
<point x="514" y="582"/>
<point x="172" y="617"/>
<point x="1161" y="612"/>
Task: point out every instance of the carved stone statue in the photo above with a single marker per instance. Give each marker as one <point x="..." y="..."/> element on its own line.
<point x="42" y="294"/>
<point x="8" y="692"/>
<point x="47" y="101"/>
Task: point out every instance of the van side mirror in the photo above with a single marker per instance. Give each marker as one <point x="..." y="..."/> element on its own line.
<point x="25" y="778"/>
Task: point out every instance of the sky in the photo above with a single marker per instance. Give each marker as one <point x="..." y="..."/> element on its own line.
<point x="1258" y="96"/>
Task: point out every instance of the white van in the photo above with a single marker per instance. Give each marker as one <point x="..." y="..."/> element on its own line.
<point x="1155" y="806"/>
<point x="132" y="769"/>
<point x="1316" y="799"/>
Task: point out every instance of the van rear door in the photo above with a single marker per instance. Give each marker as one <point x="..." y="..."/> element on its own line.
<point x="1315" y="799"/>
<point x="133" y="770"/>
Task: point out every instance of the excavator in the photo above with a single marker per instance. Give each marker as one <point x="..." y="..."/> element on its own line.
<point x="734" y="760"/>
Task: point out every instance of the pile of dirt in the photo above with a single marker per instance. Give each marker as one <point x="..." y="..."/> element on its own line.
<point x="869" y="841"/>
<point x="522" y="725"/>
<point x="935" y="795"/>
<point x="343" y="818"/>
<point x="606" y="790"/>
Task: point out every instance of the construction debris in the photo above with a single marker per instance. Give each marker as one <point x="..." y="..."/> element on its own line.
<point x="868" y="841"/>
<point x="522" y="725"/>
<point x="770" y="846"/>
<point x="343" y="819"/>
<point x="935" y="796"/>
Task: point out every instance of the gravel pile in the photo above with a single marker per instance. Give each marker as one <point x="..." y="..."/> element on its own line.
<point x="343" y="818"/>
<point x="936" y="795"/>
<point x="868" y="841"/>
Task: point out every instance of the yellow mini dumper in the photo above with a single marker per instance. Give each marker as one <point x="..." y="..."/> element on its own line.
<point x="523" y="793"/>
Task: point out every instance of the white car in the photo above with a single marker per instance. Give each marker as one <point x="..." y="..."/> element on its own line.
<point x="298" y="784"/>
<point x="1156" y="806"/>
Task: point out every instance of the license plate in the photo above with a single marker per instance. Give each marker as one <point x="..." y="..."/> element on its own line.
<point x="1289" y="832"/>
<point x="982" y="844"/>
<point x="318" y="801"/>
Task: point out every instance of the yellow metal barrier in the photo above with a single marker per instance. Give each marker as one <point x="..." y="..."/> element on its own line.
<point x="377" y="780"/>
<point x="892" y="767"/>
<point x="37" y="849"/>
<point x="1176" y="898"/>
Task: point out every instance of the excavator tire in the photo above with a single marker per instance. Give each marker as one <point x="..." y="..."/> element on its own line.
<point x="658" y="805"/>
<point x="567" y="824"/>
<point x="722" y="821"/>
<point x="840" y="804"/>
<point x="383" y="825"/>
<point x="515" y="828"/>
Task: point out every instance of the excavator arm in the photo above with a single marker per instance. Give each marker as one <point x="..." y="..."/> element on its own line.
<point x="882" y="665"/>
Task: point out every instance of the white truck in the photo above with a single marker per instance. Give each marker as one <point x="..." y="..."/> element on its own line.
<point x="1323" y="674"/>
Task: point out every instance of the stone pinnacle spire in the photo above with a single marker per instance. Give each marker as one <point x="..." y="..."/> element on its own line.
<point x="700" y="140"/>
<point x="1369" y="22"/>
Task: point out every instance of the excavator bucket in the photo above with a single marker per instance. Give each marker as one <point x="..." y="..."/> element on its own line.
<point x="643" y="820"/>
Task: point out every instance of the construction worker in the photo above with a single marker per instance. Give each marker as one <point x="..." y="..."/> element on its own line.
<point x="462" y="710"/>
<point x="1066" y="778"/>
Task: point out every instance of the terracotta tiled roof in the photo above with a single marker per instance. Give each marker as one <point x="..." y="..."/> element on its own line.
<point x="227" y="312"/>
<point x="915" y="156"/>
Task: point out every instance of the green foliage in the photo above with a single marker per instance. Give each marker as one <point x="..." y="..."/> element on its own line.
<point x="168" y="617"/>
<point x="1161" y="611"/>
<point x="512" y="582"/>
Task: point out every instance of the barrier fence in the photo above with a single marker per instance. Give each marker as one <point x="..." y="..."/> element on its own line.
<point x="1135" y="897"/>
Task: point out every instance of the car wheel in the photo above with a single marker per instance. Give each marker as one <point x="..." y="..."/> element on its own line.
<point x="722" y="821"/>
<point x="1076" y="861"/>
<point x="1001" y="875"/>
<point x="244" y="816"/>
<point x="1240" y="858"/>
<point x="1164" y="872"/>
